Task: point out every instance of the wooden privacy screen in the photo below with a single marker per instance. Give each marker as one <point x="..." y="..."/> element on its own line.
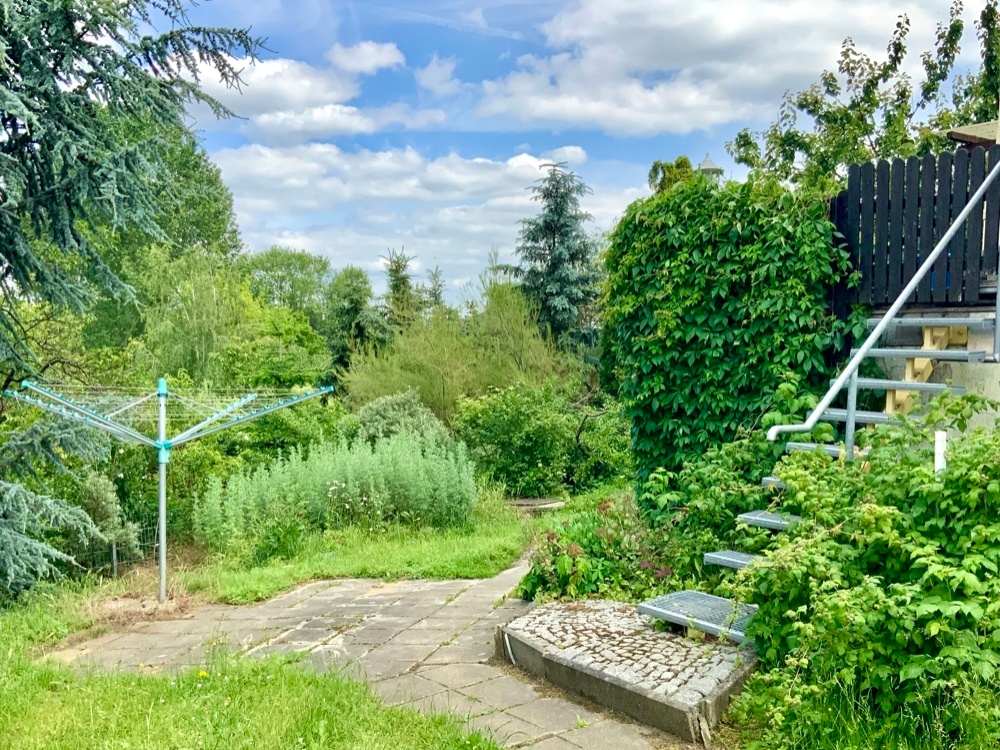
<point x="894" y="212"/>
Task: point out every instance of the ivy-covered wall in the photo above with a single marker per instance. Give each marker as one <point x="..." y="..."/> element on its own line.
<point x="714" y="293"/>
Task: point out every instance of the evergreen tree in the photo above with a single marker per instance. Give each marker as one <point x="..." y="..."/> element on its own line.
<point x="401" y="298"/>
<point x="67" y="68"/>
<point x="558" y="271"/>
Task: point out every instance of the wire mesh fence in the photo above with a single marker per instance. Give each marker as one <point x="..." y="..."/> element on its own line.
<point x="111" y="558"/>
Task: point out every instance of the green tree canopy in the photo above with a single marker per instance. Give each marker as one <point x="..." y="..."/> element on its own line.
<point x="870" y="109"/>
<point x="663" y="175"/>
<point x="292" y="278"/>
<point x="558" y="272"/>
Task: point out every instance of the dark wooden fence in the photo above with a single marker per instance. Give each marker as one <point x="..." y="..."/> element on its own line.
<point x="892" y="215"/>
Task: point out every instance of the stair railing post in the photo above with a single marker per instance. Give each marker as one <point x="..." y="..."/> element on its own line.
<point x="852" y="412"/>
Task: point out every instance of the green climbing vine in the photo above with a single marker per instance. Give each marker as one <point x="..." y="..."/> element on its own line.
<point x="714" y="293"/>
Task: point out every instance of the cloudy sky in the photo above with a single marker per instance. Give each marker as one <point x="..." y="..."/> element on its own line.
<point x="419" y="124"/>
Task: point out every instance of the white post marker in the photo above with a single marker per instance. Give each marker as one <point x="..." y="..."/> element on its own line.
<point x="940" y="445"/>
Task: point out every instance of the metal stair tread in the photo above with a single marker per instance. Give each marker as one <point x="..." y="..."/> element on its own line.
<point x="860" y="417"/>
<point x="729" y="558"/>
<point x="973" y="324"/>
<point x="941" y="355"/>
<point x="765" y="519"/>
<point x="710" y="614"/>
<point x="880" y="384"/>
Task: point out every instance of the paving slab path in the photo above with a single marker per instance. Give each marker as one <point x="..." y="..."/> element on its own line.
<point x="425" y="644"/>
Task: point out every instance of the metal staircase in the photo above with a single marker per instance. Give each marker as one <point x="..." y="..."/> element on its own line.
<point x="943" y="338"/>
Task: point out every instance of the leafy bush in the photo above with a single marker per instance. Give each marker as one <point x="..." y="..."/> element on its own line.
<point x="601" y="453"/>
<point x="444" y="356"/>
<point x="266" y="513"/>
<point x="521" y="436"/>
<point x="400" y="412"/>
<point x="885" y="595"/>
<point x="713" y="294"/>
<point x="607" y="551"/>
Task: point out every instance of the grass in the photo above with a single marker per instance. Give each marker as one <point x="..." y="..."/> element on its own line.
<point x="495" y="539"/>
<point x="237" y="702"/>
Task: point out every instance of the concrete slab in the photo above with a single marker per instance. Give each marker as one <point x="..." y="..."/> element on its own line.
<point x="555" y="714"/>
<point x="607" y="734"/>
<point x="406" y="688"/>
<point x="450" y="702"/>
<point x="502" y="692"/>
<point x="456" y="676"/>
<point x="506" y="729"/>
<point x="461" y="655"/>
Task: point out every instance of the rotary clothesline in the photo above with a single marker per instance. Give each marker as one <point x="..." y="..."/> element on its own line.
<point x="124" y="413"/>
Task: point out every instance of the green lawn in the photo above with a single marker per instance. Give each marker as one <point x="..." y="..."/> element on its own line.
<point x="394" y="554"/>
<point x="235" y="704"/>
<point x="238" y="703"/>
<point x="494" y="540"/>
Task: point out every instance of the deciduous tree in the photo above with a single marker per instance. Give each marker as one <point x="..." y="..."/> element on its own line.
<point x="871" y="108"/>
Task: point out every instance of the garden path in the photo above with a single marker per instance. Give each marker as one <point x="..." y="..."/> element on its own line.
<point x="425" y="644"/>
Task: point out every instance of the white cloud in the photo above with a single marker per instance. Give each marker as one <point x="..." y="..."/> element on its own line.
<point x="438" y="76"/>
<point x="566" y="155"/>
<point x="333" y="120"/>
<point x="286" y="101"/>
<point x="645" y="67"/>
<point x="279" y="85"/>
<point x="475" y="18"/>
<point x="366" y="57"/>
<point x="353" y="206"/>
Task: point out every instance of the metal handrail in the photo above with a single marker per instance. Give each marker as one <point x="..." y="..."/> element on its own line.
<point x="852" y="366"/>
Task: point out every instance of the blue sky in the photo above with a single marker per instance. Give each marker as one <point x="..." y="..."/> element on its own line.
<point x="419" y="124"/>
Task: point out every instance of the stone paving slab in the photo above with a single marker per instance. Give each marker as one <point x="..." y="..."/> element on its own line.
<point x="422" y="644"/>
<point x="607" y="652"/>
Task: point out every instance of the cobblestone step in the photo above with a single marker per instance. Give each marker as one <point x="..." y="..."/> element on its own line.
<point x="767" y="520"/>
<point x="709" y="614"/>
<point x="729" y="559"/>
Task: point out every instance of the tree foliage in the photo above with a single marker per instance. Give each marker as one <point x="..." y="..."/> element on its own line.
<point x="70" y="179"/>
<point x="289" y="278"/>
<point x="871" y="108"/>
<point x="663" y="175"/>
<point x="65" y="68"/>
<point x="558" y="271"/>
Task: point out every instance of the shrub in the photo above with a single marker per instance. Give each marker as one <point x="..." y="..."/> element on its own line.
<point x="713" y="294"/>
<point x="445" y="356"/>
<point x="607" y="551"/>
<point x="601" y="453"/>
<point x="885" y="595"/>
<point x="400" y="412"/>
<point x="521" y="436"/>
<point x="403" y="479"/>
